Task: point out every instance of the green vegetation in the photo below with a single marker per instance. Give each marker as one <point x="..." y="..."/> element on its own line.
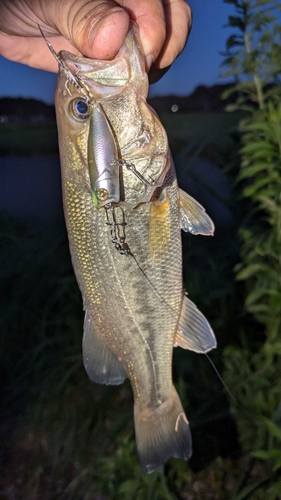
<point x="256" y="49"/>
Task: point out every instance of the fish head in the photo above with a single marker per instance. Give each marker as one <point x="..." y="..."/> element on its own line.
<point x="84" y="125"/>
<point x="106" y="129"/>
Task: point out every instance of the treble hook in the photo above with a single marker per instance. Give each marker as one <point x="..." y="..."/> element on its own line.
<point x="73" y="79"/>
<point x="117" y="229"/>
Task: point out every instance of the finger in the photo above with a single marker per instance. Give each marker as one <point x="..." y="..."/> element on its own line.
<point x="95" y="28"/>
<point x="150" y="19"/>
<point x="178" y="25"/>
<point x="164" y="28"/>
<point x="107" y="25"/>
<point x="33" y="51"/>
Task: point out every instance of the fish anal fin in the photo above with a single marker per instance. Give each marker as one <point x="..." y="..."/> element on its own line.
<point x="194" y="218"/>
<point x="102" y="365"/>
<point x="194" y="331"/>
<point x="162" y="432"/>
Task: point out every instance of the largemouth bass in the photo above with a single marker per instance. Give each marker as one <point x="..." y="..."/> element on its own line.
<point x="124" y="213"/>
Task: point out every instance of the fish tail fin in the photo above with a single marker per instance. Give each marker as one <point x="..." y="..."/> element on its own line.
<point x="162" y="432"/>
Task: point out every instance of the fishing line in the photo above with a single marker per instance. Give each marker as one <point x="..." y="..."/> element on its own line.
<point x="235" y="400"/>
<point x="73" y="79"/>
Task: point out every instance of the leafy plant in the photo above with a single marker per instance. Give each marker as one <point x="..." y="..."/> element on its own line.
<point x="254" y="370"/>
<point x="253" y="53"/>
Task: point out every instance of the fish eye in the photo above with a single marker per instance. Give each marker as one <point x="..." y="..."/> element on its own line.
<point x="80" y="109"/>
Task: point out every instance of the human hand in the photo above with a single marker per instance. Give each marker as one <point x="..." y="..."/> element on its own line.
<point x="95" y="29"/>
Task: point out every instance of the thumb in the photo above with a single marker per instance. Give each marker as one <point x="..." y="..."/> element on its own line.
<point x="97" y="28"/>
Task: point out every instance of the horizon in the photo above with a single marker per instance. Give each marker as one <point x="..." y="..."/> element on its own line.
<point x="183" y="96"/>
<point x="199" y="63"/>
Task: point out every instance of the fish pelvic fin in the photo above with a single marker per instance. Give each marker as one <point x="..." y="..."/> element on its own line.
<point x="101" y="365"/>
<point x="194" y="330"/>
<point x="162" y="432"/>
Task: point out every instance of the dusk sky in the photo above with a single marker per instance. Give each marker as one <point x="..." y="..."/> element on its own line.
<point x="198" y="64"/>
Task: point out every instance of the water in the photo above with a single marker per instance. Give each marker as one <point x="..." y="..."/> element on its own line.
<point x="30" y="187"/>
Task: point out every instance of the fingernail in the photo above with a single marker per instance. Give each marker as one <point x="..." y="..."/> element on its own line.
<point x="149" y="60"/>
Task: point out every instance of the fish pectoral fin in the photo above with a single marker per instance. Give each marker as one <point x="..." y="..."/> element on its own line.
<point x="194" y="331"/>
<point x="102" y="365"/>
<point x="193" y="216"/>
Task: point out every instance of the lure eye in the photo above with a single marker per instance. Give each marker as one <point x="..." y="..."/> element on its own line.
<point x="102" y="194"/>
<point x="80" y="109"/>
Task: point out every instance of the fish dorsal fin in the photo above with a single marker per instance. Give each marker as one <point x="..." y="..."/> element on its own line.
<point x="193" y="216"/>
<point x="194" y="331"/>
<point x="102" y="365"/>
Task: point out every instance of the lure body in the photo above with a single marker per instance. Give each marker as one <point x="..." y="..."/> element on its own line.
<point x="103" y="161"/>
<point x="126" y="249"/>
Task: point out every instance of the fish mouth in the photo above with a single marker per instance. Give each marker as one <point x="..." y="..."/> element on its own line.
<point x="104" y="78"/>
<point x="115" y="73"/>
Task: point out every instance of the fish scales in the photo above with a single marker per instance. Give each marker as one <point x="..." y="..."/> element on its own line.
<point x="126" y="253"/>
<point x="111" y="285"/>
